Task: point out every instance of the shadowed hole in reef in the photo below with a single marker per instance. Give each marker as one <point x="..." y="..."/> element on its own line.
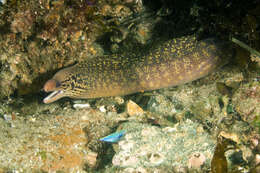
<point x="105" y="154"/>
<point x="31" y="104"/>
<point x="172" y="119"/>
<point x="237" y="158"/>
<point x="104" y="159"/>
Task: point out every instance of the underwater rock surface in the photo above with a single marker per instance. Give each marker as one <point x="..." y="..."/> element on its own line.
<point x="146" y="146"/>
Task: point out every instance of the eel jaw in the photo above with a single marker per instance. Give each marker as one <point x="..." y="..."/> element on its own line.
<point x="55" y="95"/>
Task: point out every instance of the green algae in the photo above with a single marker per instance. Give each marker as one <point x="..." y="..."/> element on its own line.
<point x="43" y="155"/>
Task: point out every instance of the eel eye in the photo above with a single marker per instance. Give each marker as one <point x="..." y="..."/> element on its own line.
<point x="58" y="84"/>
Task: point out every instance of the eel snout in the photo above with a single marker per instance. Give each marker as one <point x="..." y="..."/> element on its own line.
<point x="52" y="85"/>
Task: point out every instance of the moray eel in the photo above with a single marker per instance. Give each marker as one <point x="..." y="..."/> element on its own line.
<point x="175" y="62"/>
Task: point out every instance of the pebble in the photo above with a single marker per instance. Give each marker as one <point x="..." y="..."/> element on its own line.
<point x="119" y="100"/>
<point x="81" y="106"/>
<point x="169" y="129"/>
<point x="156" y="158"/>
<point x="32" y="119"/>
<point x="254" y="142"/>
<point x="257" y="159"/>
<point x="133" y="109"/>
<point x="91" y="158"/>
<point x="232" y="136"/>
<point x="7" y="117"/>
<point x="84" y="118"/>
<point x="196" y="160"/>
<point x="3" y="1"/>
<point x="102" y="109"/>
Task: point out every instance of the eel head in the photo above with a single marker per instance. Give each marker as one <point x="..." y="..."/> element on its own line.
<point x="57" y="92"/>
<point x="59" y="85"/>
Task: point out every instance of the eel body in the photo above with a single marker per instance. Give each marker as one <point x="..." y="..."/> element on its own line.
<point x="175" y="62"/>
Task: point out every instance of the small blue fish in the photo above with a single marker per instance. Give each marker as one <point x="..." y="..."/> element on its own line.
<point x="114" y="137"/>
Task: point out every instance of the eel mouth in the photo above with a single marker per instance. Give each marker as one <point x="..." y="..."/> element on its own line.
<point x="55" y="95"/>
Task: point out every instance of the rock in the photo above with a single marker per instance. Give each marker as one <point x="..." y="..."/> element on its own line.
<point x="81" y="106"/>
<point x="246" y="101"/>
<point x="196" y="160"/>
<point x="147" y="146"/>
<point x="91" y="159"/>
<point x="102" y="109"/>
<point x="232" y="136"/>
<point x="257" y="159"/>
<point x="133" y="109"/>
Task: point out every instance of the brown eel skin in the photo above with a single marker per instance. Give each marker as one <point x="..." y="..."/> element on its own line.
<point x="175" y="62"/>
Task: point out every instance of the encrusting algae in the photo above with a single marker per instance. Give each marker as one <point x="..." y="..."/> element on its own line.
<point x="178" y="61"/>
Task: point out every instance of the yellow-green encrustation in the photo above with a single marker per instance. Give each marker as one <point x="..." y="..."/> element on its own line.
<point x="175" y="62"/>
